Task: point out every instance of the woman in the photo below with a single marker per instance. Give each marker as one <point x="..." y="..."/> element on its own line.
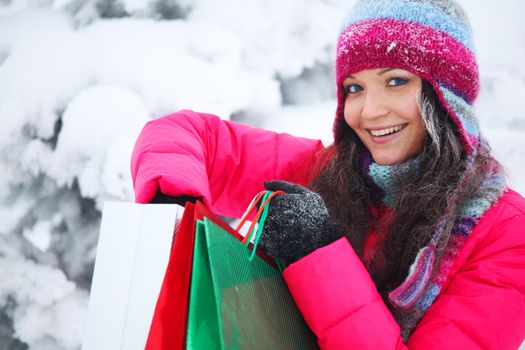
<point x="408" y="236"/>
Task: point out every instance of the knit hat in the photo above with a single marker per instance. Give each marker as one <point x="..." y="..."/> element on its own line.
<point x="430" y="38"/>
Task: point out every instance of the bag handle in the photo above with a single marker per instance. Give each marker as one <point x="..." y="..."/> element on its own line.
<point x="266" y="196"/>
<point x="260" y="218"/>
<point x="248" y="210"/>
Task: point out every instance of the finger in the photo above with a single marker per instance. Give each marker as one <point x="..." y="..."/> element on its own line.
<point x="274" y="185"/>
<point x="285" y="186"/>
<point x="180" y="200"/>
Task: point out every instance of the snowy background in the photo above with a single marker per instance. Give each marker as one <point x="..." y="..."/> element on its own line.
<point x="79" y="78"/>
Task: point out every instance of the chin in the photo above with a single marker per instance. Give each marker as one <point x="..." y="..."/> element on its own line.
<point x="390" y="159"/>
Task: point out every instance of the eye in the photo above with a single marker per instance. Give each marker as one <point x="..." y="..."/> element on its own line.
<point x="352" y="89"/>
<point x="397" y="81"/>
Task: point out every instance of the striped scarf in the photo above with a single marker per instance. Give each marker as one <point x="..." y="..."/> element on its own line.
<point x="426" y="276"/>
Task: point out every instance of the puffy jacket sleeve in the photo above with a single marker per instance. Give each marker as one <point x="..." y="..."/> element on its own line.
<point x="483" y="306"/>
<point x="223" y="162"/>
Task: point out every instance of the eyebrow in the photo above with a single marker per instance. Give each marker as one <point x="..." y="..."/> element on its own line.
<point x="385" y="71"/>
<point x="379" y="73"/>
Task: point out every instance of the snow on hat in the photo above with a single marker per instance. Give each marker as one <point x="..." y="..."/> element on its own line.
<point x="430" y="38"/>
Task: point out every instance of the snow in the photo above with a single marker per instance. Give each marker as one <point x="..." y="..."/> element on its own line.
<point x="96" y="122"/>
<point x="48" y="306"/>
<point x="79" y="78"/>
<point x="40" y="234"/>
<point x="306" y="118"/>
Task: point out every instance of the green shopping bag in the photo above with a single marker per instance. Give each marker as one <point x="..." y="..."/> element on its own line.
<point x="239" y="304"/>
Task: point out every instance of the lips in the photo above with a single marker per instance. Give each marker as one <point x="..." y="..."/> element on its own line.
<point x="387" y="131"/>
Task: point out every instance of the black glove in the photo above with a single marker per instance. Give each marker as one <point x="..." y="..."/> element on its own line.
<point x="180" y="200"/>
<point x="297" y="224"/>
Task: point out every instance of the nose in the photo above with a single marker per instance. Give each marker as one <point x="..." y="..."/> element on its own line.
<point x="374" y="105"/>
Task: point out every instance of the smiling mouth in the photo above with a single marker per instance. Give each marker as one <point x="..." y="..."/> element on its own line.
<point x="388" y="131"/>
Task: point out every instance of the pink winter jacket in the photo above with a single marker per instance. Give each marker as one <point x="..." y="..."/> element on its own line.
<point x="481" y="306"/>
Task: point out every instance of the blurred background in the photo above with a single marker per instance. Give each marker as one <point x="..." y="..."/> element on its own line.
<point x="79" y="78"/>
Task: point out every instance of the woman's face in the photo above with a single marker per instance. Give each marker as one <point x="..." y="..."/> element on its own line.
<point x="381" y="107"/>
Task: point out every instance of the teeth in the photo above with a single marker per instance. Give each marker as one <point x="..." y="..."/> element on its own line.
<point x="387" y="131"/>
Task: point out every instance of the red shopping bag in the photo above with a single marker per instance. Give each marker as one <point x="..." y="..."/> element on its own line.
<point x="170" y="320"/>
<point x="168" y="327"/>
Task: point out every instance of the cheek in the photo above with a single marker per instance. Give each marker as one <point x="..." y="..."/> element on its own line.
<point x="406" y="104"/>
<point x="422" y="133"/>
<point x="420" y="130"/>
<point x="351" y="115"/>
<point x="407" y="108"/>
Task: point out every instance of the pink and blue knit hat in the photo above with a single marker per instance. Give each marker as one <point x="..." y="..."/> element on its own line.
<point x="430" y="38"/>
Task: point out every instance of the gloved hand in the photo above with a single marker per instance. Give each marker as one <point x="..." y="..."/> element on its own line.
<point x="297" y="223"/>
<point x="180" y="200"/>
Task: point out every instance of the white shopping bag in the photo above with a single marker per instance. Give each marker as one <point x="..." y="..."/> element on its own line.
<point x="132" y="256"/>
